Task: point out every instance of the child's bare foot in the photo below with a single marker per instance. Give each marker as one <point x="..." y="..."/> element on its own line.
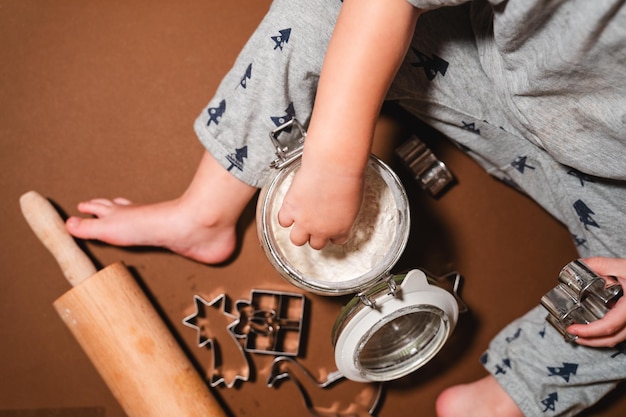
<point x="199" y="225"/>
<point x="482" y="398"/>
<point x="121" y="223"/>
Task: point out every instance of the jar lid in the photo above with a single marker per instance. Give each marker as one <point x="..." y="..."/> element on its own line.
<point x="386" y="334"/>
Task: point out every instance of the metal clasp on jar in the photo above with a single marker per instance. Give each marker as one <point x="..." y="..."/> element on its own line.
<point x="367" y="297"/>
<point x="289" y="149"/>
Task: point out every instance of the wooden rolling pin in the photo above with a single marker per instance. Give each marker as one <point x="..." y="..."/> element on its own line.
<point x="119" y="330"/>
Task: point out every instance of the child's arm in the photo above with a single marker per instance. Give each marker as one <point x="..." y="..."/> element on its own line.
<point x="611" y="329"/>
<point x="367" y="47"/>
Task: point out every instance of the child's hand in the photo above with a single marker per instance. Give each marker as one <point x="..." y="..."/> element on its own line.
<point x="321" y="204"/>
<point x="611" y="329"/>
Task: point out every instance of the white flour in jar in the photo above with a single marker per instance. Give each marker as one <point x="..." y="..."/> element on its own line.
<point x="372" y="236"/>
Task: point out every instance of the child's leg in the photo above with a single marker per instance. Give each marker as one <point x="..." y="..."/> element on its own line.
<point x="482" y="398"/>
<point x="200" y="224"/>
<point x="273" y="79"/>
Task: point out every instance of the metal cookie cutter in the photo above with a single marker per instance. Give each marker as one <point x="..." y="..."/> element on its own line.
<point x="270" y="323"/>
<point x="214" y="327"/>
<point x="342" y="400"/>
<point x="431" y="173"/>
<point x="581" y="297"/>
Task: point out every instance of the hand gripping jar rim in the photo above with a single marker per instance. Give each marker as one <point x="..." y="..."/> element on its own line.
<point x="265" y="212"/>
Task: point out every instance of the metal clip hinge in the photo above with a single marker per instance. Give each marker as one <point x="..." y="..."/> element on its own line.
<point x="365" y="298"/>
<point x="291" y="148"/>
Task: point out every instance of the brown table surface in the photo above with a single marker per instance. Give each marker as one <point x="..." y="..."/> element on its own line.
<point x="97" y="99"/>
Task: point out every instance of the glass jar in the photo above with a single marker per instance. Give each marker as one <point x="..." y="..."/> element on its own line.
<point x="338" y="269"/>
<point x="395" y="323"/>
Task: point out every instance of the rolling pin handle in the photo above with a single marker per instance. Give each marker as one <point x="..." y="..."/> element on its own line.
<point x="48" y="226"/>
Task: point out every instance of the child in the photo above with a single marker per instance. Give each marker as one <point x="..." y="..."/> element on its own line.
<point x="534" y="92"/>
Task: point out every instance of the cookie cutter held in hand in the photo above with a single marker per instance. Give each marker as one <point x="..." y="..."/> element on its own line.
<point x="581" y="297"/>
